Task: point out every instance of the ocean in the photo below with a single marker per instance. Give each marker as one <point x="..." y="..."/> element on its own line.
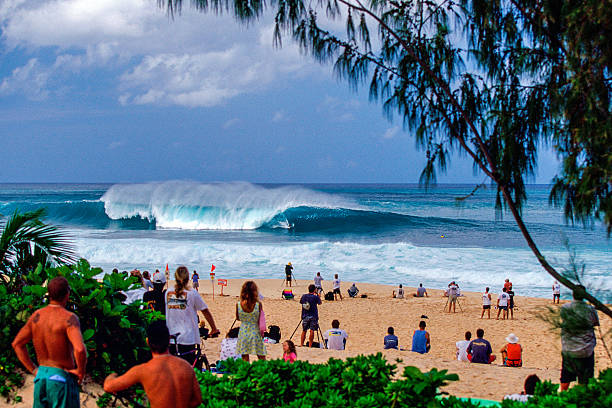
<point x="378" y="233"/>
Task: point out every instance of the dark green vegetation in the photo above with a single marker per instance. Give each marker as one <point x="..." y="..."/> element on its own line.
<point x="114" y="333"/>
<point x="494" y="80"/>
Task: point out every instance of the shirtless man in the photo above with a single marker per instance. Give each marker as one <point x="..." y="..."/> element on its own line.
<point x="60" y="351"/>
<point x="169" y="381"/>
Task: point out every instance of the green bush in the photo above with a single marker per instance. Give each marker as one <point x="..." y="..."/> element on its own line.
<point x="114" y="333"/>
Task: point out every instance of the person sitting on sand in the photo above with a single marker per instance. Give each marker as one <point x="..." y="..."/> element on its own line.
<point x="421" y="342"/>
<point x="317" y="282"/>
<point x="289" y="351"/>
<point x="512" y="352"/>
<point x="462" y="346"/>
<point x="353" y="291"/>
<point x="421" y="291"/>
<point x="60" y="352"/>
<point x="530" y="385"/>
<point x="391" y="341"/>
<point x="400" y="292"/>
<point x="479" y="350"/>
<point x="502" y="304"/>
<point x="486" y="303"/>
<point x="168" y="381"/>
<point x="335" y="338"/>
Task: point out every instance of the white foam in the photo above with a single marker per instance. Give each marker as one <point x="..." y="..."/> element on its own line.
<point x="216" y="206"/>
<point x="389" y="263"/>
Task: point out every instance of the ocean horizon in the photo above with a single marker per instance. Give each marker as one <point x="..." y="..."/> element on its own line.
<point x="366" y="232"/>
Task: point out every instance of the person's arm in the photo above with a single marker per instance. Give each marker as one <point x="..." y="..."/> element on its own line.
<point x="19" y="345"/>
<point x="73" y="332"/>
<point x="428" y="339"/>
<point x="469" y="348"/>
<point x="209" y="318"/>
<point x="196" y="394"/>
<point x="319" y="301"/>
<point x="115" y="383"/>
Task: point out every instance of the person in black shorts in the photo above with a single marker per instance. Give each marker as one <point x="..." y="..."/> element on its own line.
<point x="288" y="274"/>
<point x="310" y="314"/>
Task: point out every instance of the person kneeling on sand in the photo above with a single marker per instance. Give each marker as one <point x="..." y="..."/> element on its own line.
<point x="391" y="341"/>
<point x="168" y="381"/>
<point x="335" y="338"/>
<point x="421" y="291"/>
<point x="421" y="342"/>
<point x="530" y="386"/>
<point x="462" y="346"/>
<point x="512" y="352"/>
<point x="479" y="350"/>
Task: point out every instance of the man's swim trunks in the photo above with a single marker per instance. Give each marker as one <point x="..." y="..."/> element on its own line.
<point x="55" y="388"/>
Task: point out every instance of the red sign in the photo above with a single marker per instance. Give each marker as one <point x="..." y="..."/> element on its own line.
<point x="222" y="282"/>
<point x="212" y="275"/>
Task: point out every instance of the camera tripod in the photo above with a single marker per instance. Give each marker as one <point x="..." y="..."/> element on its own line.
<point x="320" y="338"/>
<point x="458" y="304"/>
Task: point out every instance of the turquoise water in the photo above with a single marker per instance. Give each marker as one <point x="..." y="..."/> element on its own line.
<point x="370" y="233"/>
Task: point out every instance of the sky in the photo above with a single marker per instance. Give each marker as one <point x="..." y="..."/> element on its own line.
<point x="116" y="91"/>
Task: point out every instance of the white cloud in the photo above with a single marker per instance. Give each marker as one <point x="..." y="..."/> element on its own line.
<point x="230" y="123"/>
<point x="192" y="60"/>
<point x="279" y="116"/>
<point x="29" y="79"/>
<point x="392" y="132"/>
<point x="116" y="144"/>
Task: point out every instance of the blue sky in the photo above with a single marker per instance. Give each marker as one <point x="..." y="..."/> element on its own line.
<point x="115" y="91"/>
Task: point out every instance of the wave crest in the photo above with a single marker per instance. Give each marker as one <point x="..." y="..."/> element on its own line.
<point x="213" y="206"/>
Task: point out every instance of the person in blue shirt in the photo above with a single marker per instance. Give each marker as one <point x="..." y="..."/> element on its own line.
<point x="420" y="339"/>
<point x="310" y="314"/>
<point x="479" y="350"/>
<point x="391" y="341"/>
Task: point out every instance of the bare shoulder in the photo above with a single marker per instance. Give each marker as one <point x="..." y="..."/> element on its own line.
<point x="72" y="320"/>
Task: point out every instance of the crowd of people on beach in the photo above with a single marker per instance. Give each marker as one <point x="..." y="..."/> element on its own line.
<point x="175" y="343"/>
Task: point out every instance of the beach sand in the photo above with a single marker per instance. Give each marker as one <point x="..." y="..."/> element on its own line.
<point x="366" y="321"/>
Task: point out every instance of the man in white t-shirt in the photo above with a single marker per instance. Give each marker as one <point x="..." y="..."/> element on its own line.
<point x="336" y="287"/>
<point x="556" y="288"/>
<point x="317" y="282"/>
<point x="335" y="338"/>
<point x="486" y="303"/>
<point x="462" y="346"/>
<point x="502" y="304"/>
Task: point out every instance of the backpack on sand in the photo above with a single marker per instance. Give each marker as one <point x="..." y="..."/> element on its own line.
<point x="329" y="296"/>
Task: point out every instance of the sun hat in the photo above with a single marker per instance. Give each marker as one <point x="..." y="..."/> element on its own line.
<point x="512" y="339"/>
<point x="159" y="277"/>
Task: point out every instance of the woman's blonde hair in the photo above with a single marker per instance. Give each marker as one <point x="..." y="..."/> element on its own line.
<point x="249" y="292"/>
<point x="182" y="280"/>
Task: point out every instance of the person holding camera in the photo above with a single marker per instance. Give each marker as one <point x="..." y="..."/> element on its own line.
<point x="310" y="314"/>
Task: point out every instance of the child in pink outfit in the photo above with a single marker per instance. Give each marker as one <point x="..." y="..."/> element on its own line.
<point x="289" y="352"/>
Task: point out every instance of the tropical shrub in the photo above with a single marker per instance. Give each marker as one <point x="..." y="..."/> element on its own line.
<point x="114" y="333"/>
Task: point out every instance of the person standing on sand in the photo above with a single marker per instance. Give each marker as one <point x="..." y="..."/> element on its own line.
<point x="577" y="340"/>
<point x="310" y="314"/>
<point x="248" y="310"/>
<point x="510" y="293"/>
<point x="486" y="303"/>
<point x="168" y="381"/>
<point x="288" y="274"/>
<point x="60" y="351"/>
<point x="452" y="296"/>
<point x="502" y="304"/>
<point x="182" y="306"/>
<point x="507" y="284"/>
<point x="317" y="282"/>
<point x="336" y="287"/>
<point x="195" y="278"/>
<point x="556" y="288"/>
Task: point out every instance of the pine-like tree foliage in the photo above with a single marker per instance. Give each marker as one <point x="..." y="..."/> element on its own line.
<point x="495" y="80"/>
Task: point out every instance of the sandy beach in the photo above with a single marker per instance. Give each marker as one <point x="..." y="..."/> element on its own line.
<point x="366" y="321"/>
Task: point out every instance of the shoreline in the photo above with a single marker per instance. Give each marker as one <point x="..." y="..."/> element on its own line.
<point x="366" y="321"/>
